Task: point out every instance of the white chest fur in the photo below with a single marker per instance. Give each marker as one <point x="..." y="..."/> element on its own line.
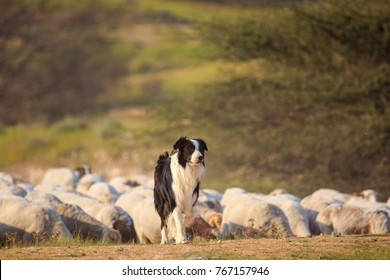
<point x="184" y="182"/>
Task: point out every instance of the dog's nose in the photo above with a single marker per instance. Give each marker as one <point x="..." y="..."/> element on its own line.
<point x="200" y="158"/>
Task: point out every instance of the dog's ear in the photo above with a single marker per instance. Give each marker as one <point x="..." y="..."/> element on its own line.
<point x="202" y="144"/>
<point x="180" y="143"/>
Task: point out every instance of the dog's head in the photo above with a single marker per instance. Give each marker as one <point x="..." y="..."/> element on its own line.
<point x="191" y="151"/>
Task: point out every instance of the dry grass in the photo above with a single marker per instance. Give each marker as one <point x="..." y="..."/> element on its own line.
<point x="315" y="248"/>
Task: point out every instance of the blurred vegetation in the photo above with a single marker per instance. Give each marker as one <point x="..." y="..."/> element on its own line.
<point x="55" y="57"/>
<point x="287" y="94"/>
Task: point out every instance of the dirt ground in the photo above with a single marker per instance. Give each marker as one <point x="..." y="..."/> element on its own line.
<point x="314" y="248"/>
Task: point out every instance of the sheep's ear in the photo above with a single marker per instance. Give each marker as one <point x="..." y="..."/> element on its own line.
<point x="180" y="143"/>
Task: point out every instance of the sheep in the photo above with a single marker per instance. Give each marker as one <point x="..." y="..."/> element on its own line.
<point x="212" y="217"/>
<point x="200" y="228"/>
<point x="7" y="178"/>
<point x="129" y="202"/>
<point x="87" y="181"/>
<point x="296" y="215"/>
<point x="82" y="170"/>
<point x="8" y="188"/>
<point x="147" y="224"/>
<point x="362" y="202"/>
<point x="26" y="219"/>
<point x="122" y="184"/>
<point x="368" y="194"/>
<point x="79" y="223"/>
<point x="248" y="212"/>
<point x="103" y="192"/>
<point x="50" y="188"/>
<point x="230" y="194"/>
<point x="63" y="176"/>
<point x="112" y="216"/>
<point x="347" y="219"/>
<point x="330" y="194"/>
<point x="146" y="221"/>
<point x="144" y="180"/>
<point x="278" y="192"/>
<point x="315" y="205"/>
<point x="211" y="199"/>
<point x="212" y="194"/>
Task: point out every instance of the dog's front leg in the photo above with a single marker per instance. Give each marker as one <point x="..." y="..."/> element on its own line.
<point x="164" y="235"/>
<point x="180" y="230"/>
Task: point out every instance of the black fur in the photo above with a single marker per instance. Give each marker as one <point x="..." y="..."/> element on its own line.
<point x="184" y="148"/>
<point x="164" y="198"/>
<point x="196" y="194"/>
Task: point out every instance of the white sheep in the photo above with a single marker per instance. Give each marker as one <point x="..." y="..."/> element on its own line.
<point x="247" y="212"/>
<point x="230" y="194"/>
<point x="211" y="199"/>
<point x="129" y="201"/>
<point x="147" y="221"/>
<point x="347" y="219"/>
<point x="296" y="215"/>
<point x="368" y="194"/>
<point x="87" y="181"/>
<point x="278" y="192"/>
<point x="144" y="180"/>
<point x="7" y="178"/>
<point x="50" y="188"/>
<point x="313" y="206"/>
<point x="79" y="223"/>
<point x="112" y="216"/>
<point x="122" y="184"/>
<point x="147" y="224"/>
<point x="212" y="194"/>
<point x="63" y="176"/>
<point x="27" y="220"/>
<point x="8" y="188"/>
<point x="361" y="202"/>
<point x="104" y="192"/>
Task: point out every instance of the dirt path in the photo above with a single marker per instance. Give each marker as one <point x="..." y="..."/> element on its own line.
<point x="320" y="247"/>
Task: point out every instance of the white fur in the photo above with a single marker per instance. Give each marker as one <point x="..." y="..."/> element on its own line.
<point x="25" y="218"/>
<point x="313" y="206"/>
<point x="103" y="191"/>
<point x="296" y="215"/>
<point x="230" y="194"/>
<point x="63" y="176"/>
<point x="76" y="220"/>
<point x="248" y="211"/>
<point x="108" y="214"/>
<point x="347" y="219"/>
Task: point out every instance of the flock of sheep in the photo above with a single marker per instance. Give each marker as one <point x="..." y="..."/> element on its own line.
<point x="77" y="203"/>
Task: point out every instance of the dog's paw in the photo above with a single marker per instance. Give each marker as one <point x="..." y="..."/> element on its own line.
<point x="184" y="241"/>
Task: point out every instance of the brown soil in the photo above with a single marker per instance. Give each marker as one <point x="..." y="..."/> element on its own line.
<point x="319" y="247"/>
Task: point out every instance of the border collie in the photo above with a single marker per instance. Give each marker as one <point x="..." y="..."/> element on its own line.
<point x="176" y="187"/>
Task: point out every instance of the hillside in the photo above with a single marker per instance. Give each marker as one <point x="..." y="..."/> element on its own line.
<point x="293" y="97"/>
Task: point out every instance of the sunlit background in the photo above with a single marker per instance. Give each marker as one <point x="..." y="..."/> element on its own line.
<point x="287" y="94"/>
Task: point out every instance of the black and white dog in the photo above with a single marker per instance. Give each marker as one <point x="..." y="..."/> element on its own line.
<point x="176" y="187"/>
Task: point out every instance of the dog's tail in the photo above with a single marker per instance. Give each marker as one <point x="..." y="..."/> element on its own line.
<point x="164" y="198"/>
